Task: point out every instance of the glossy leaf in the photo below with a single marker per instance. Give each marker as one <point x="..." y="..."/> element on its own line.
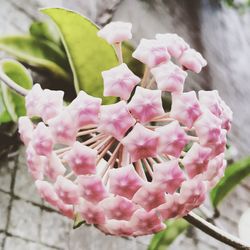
<point x="37" y="53"/>
<point x="163" y="239"/>
<point x="234" y="174"/>
<point x="4" y="114"/>
<point x="88" y="54"/>
<point x="14" y="103"/>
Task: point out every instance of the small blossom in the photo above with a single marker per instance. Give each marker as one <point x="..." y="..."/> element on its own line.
<point x="53" y="167"/>
<point x="85" y="109"/>
<point x="42" y="140"/>
<point x="65" y="209"/>
<point x="169" y="77"/>
<point x="174" y="43"/>
<point x="146" y="104"/>
<point x="35" y="163"/>
<point x="91" y="188"/>
<point x="119" y="227"/>
<point x="115" y="120"/>
<point x="25" y="129"/>
<point x="172" y="139"/>
<point x="66" y="190"/>
<point x="116" y="32"/>
<point x="81" y="159"/>
<point x="51" y="104"/>
<point x="168" y="176"/>
<point x="124" y="181"/>
<point x="91" y="214"/>
<point x="208" y="128"/>
<point x="33" y="101"/>
<point x="118" y="207"/>
<point x="220" y="146"/>
<point x="192" y="193"/>
<point x="196" y="159"/>
<point x="151" y="52"/>
<point x="141" y="143"/>
<point x="62" y="128"/>
<point x="211" y="101"/>
<point x="185" y="108"/>
<point x="47" y="192"/>
<point x="226" y="116"/>
<point x="192" y="60"/>
<point x="149" y="196"/>
<point x="119" y="81"/>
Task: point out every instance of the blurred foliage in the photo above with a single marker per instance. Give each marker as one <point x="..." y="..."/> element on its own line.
<point x="238" y="4"/>
<point x="163" y="239"/>
<point x="234" y="174"/>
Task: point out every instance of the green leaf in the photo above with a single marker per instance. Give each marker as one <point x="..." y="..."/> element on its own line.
<point x="14" y="103"/>
<point x="37" y="53"/>
<point x="78" y="221"/>
<point x="165" y="238"/>
<point x="45" y="31"/>
<point x="4" y="115"/>
<point x="88" y="54"/>
<point x="234" y="174"/>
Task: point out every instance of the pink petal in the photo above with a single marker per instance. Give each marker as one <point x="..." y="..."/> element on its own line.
<point x="141" y="143"/>
<point x="25" y="129"/>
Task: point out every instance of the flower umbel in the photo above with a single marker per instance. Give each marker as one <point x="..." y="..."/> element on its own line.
<point x="127" y="167"/>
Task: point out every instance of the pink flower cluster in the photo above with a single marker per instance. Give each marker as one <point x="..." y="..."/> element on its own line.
<point x="129" y="166"/>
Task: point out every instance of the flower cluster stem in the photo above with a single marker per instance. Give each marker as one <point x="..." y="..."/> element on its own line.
<point x="216" y="232"/>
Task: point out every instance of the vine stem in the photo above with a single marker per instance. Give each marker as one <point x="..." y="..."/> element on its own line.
<point x="11" y="84"/>
<point x="216" y="232"/>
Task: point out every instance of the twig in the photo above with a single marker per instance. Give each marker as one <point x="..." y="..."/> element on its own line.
<point x="215" y="232"/>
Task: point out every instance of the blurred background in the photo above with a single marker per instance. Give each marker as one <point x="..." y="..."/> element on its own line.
<point x="216" y="29"/>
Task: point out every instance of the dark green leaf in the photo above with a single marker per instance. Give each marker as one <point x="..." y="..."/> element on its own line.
<point x="165" y="238"/>
<point x="45" y="31"/>
<point x="14" y="103"/>
<point x="234" y="174"/>
<point x="88" y="54"/>
<point x="37" y="53"/>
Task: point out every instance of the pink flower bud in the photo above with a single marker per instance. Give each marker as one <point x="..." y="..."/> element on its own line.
<point x="53" y="167"/>
<point x="146" y="104"/>
<point x="118" y="208"/>
<point x="63" y="129"/>
<point x="81" y="159"/>
<point x="185" y="108"/>
<point x="208" y="128"/>
<point x="51" y="104"/>
<point x="47" y="192"/>
<point x="35" y="163"/>
<point x="124" y="181"/>
<point x="192" y="193"/>
<point x="172" y="139"/>
<point x="168" y="176"/>
<point x="211" y="101"/>
<point x="116" y="32"/>
<point x="169" y="77"/>
<point x="141" y="142"/>
<point x="174" y="43"/>
<point x="119" y="81"/>
<point x="151" y="52"/>
<point x="196" y="159"/>
<point x="115" y="120"/>
<point x="85" y="109"/>
<point x="42" y="140"/>
<point x="91" y="188"/>
<point x="192" y="60"/>
<point x="25" y="129"/>
<point x="145" y="221"/>
<point x="66" y="190"/>
<point x="91" y="214"/>
<point x="33" y="101"/>
<point x="149" y="196"/>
